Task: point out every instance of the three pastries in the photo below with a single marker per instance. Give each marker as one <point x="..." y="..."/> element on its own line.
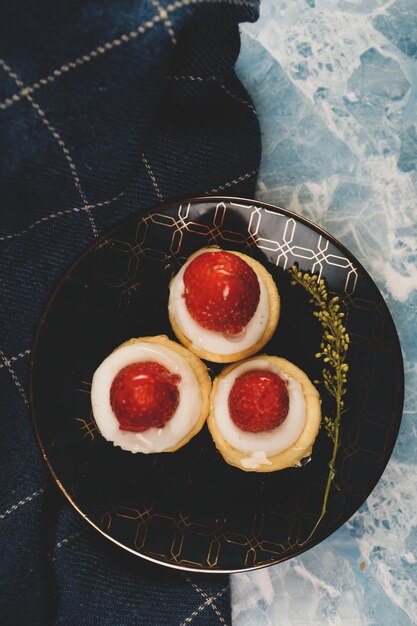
<point x="153" y="395"/>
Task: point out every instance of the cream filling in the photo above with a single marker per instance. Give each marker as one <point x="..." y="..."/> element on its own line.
<point x="211" y="340"/>
<point x="153" y="439"/>
<point x="255" y="460"/>
<point x="260" y="446"/>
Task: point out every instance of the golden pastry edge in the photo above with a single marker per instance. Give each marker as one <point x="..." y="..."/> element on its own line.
<point x="301" y="448"/>
<point x="274" y="313"/>
<point x="200" y="371"/>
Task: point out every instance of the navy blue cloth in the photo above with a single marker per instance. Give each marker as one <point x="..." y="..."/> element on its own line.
<point x="106" y="108"/>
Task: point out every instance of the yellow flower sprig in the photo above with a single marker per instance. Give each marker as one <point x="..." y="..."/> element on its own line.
<point x="333" y="352"/>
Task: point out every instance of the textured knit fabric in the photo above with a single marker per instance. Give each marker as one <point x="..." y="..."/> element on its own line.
<point x="106" y="108"/>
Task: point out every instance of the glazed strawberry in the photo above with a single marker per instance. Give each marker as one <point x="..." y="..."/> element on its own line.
<point x="258" y="401"/>
<point x="221" y="291"/>
<point x="144" y="395"/>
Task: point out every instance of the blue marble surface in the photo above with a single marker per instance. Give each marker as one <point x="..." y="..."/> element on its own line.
<point x="335" y="86"/>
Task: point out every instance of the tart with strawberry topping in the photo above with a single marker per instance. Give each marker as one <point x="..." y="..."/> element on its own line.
<point x="223" y="305"/>
<point x="150" y="395"/>
<point x="264" y="414"/>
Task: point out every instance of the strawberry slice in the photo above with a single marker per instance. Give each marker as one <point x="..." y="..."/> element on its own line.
<point x="144" y="395"/>
<point x="221" y="291"/>
<point x="258" y="401"/>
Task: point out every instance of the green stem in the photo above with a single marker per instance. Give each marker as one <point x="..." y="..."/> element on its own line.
<point x="335" y="356"/>
<point x="330" y="477"/>
<point x="331" y="465"/>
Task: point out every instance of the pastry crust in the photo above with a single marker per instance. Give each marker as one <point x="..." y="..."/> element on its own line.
<point x="274" y="313"/>
<point x="301" y="448"/>
<point x="199" y="370"/>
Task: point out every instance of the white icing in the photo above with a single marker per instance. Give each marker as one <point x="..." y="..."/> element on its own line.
<point x="210" y="339"/>
<point x="255" y="460"/>
<point x="153" y="439"/>
<point x="264" y="444"/>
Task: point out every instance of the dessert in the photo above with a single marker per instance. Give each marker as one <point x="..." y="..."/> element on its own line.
<point x="223" y="305"/>
<point x="264" y="414"/>
<point x="150" y="395"/>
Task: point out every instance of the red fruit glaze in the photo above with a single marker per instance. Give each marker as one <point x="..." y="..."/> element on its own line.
<point x="144" y="395"/>
<point x="221" y="291"/>
<point x="258" y="401"/>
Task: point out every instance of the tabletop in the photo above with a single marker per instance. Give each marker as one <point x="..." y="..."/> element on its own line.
<point x="334" y="83"/>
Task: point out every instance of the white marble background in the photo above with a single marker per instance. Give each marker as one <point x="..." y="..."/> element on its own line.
<point x="335" y="86"/>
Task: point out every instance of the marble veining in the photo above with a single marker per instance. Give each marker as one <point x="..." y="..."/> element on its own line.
<point x="334" y="83"/>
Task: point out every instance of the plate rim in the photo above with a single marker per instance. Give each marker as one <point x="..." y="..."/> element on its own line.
<point x="163" y="207"/>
